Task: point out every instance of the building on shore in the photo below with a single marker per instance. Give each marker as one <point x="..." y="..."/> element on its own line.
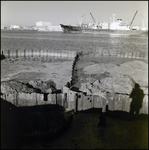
<point x="46" y="26"/>
<point x="14" y="26"/>
<point x="43" y="24"/>
<point x="54" y="28"/>
<point x="2" y="27"/>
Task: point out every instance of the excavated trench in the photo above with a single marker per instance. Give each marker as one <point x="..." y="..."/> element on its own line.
<point x="28" y="88"/>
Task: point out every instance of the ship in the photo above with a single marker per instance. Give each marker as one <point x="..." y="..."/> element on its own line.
<point x="115" y="27"/>
<point x="71" y="29"/>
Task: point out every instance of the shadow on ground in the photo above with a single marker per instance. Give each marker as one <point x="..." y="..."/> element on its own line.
<point x="50" y="127"/>
<point x="22" y="126"/>
<point x="123" y="115"/>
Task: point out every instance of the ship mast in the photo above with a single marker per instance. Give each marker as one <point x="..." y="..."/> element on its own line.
<point x="81" y="22"/>
<point x="113" y="17"/>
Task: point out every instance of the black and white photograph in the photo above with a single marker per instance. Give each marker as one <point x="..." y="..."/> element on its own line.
<point x="74" y="74"/>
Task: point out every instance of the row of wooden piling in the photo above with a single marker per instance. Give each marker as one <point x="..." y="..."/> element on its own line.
<point x="38" y="53"/>
<point x="127" y="54"/>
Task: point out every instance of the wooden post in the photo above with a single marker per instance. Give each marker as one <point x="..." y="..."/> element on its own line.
<point x="16" y="99"/>
<point x="8" y="53"/>
<point x="125" y="54"/>
<point x="143" y="54"/>
<point x="16" y="53"/>
<point x="131" y="54"/>
<point x="76" y="107"/>
<point x="102" y="52"/>
<point x="39" y="53"/>
<point x="36" y="99"/>
<point x="123" y="106"/>
<point x="32" y="52"/>
<point x="24" y="52"/>
<point x="2" y="53"/>
<point x="114" y="102"/>
<point x="56" y="98"/>
<point x="92" y="101"/>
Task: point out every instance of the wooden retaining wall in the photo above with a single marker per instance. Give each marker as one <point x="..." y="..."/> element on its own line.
<point x="33" y="99"/>
<point x="115" y="102"/>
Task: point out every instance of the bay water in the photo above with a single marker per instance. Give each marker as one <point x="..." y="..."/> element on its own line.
<point x="36" y="40"/>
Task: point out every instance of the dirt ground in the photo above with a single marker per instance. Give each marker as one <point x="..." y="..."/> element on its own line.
<point x="60" y="70"/>
<point x="90" y="68"/>
<point x="84" y="133"/>
<point x="26" y="70"/>
<point x="88" y="60"/>
<point x="119" y="134"/>
<point x="136" y="68"/>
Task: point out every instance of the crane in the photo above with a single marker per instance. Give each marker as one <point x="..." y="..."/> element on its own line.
<point x="92" y="17"/>
<point x="133" y="19"/>
<point x="95" y="24"/>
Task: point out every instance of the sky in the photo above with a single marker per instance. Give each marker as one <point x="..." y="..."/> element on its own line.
<point x="27" y="13"/>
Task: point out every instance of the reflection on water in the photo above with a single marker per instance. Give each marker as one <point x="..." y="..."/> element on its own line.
<point x="13" y="40"/>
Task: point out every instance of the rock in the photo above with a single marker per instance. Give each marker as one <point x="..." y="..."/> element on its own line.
<point x="11" y="86"/>
<point x="119" y="79"/>
<point x="113" y="84"/>
<point x="45" y="86"/>
<point x="138" y="70"/>
<point x="117" y="84"/>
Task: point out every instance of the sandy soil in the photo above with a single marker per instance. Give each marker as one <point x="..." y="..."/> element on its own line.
<point x="88" y="60"/>
<point x="26" y="70"/>
<point x="60" y="71"/>
<point x="91" y="67"/>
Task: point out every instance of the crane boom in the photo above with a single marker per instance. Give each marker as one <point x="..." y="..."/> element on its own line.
<point x="92" y="17"/>
<point x="133" y="19"/>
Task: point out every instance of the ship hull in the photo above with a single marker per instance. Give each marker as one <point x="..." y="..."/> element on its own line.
<point x="71" y="29"/>
<point x="78" y="29"/>
<point x="114" y="32"/>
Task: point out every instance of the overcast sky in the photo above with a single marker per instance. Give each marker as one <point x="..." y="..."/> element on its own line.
<point x="27" y="13"/>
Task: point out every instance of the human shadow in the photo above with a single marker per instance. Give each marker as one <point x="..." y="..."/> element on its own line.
<point x="137" y="96"/>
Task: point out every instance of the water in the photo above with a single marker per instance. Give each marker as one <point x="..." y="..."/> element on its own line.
<point x="13" y="40"/>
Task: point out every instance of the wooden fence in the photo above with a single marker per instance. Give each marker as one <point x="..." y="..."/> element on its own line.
<point x="128" y="54"/>
<point x="61" y="54"/>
